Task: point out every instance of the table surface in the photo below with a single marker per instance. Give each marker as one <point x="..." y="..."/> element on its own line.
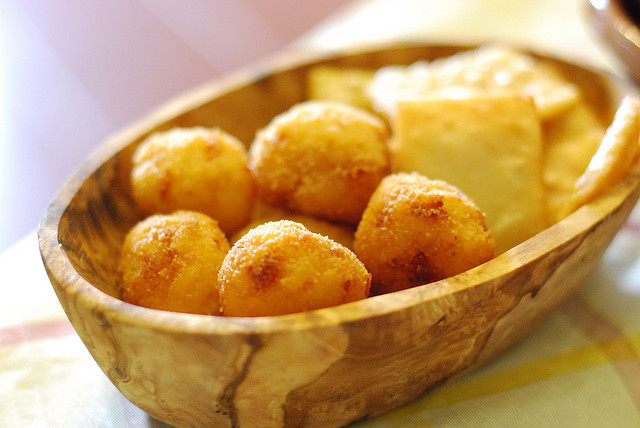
<point x="580" y="368"/>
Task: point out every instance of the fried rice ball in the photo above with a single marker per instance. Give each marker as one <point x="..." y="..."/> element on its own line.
<point x="197" y="169"/>
<point x="321" y="158"/>
<point x="171" y="262"/>
<point x="281" y="267"/>
<point x="416" y="230"/>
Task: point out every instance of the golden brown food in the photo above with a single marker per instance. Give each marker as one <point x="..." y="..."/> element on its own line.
<point x="616" y="153"/>
<point x="281" y="267"/>
<point x="488" y="146"/>
<point x="198" y="169"/>
<point x="321" y="158"/>
<point x="491" y="68"/>
<point x="171" y="262"/>
<point x="416" y="230"/>
<point x="570" y="140"/>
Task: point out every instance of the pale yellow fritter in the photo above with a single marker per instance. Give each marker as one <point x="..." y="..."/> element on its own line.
<point x="171" y="262"/>
<point x="488" y="146"/>
<point x="198" y="169"/>
<point x="281" y="267"/>
<point x="416" y="230"/>
<point x="321" y="158"/>
<point x="615" y="155"/>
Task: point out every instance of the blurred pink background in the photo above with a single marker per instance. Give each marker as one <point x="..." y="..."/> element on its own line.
<point x="73" y="72"/>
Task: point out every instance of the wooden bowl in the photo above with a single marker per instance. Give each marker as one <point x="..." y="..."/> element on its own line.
<point x="327" y="367"/>
<point x="616" y="22"/>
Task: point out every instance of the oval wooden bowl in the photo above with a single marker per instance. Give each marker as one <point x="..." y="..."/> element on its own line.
<point x="321" y="368"/>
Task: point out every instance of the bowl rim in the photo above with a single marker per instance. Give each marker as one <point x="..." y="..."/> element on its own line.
<point x="71" y="284"/>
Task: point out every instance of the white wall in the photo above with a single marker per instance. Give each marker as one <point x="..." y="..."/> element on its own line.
<point x="72" y="72"/>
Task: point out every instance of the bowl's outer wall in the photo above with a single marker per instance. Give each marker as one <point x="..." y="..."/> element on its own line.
<point x="324" y="368"/>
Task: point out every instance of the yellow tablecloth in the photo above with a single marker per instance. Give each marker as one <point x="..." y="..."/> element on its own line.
<point x="580" y="368"/>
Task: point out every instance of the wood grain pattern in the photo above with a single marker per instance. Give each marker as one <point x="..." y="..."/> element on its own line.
<point x="322" y="368"/>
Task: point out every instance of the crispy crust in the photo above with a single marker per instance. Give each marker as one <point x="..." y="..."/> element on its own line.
<point x="198" y="169"/>
<point x="417" y="230"/>
<point x="171" y="262"/>
<point x="321" y="158"/>
<point x="281" y="267"/>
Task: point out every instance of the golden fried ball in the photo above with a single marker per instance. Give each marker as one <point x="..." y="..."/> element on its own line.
<point x="197" y="169"/>
<point x="281" y="267"/>
<point x="416" y="230"/>
<point x="171" y="262"/>
<point x="321" y="158"/>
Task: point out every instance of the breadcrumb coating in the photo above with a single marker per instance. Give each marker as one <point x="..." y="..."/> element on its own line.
<point x="321" y="158"/>
<point x="416" y="230"/>
<point x="171" y="262"/>
<point x="197" y="169"/>
<point x="281" y="267"/>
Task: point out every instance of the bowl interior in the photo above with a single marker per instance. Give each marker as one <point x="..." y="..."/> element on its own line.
<point x="95" y="210"/>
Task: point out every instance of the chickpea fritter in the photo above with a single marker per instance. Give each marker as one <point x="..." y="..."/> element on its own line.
<point x="281" y="267"/>
<point x="416" y="230"/>
<point x="321" y="158"/>
<point x="198" y="169"/>
<point x="171" y="262"/>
